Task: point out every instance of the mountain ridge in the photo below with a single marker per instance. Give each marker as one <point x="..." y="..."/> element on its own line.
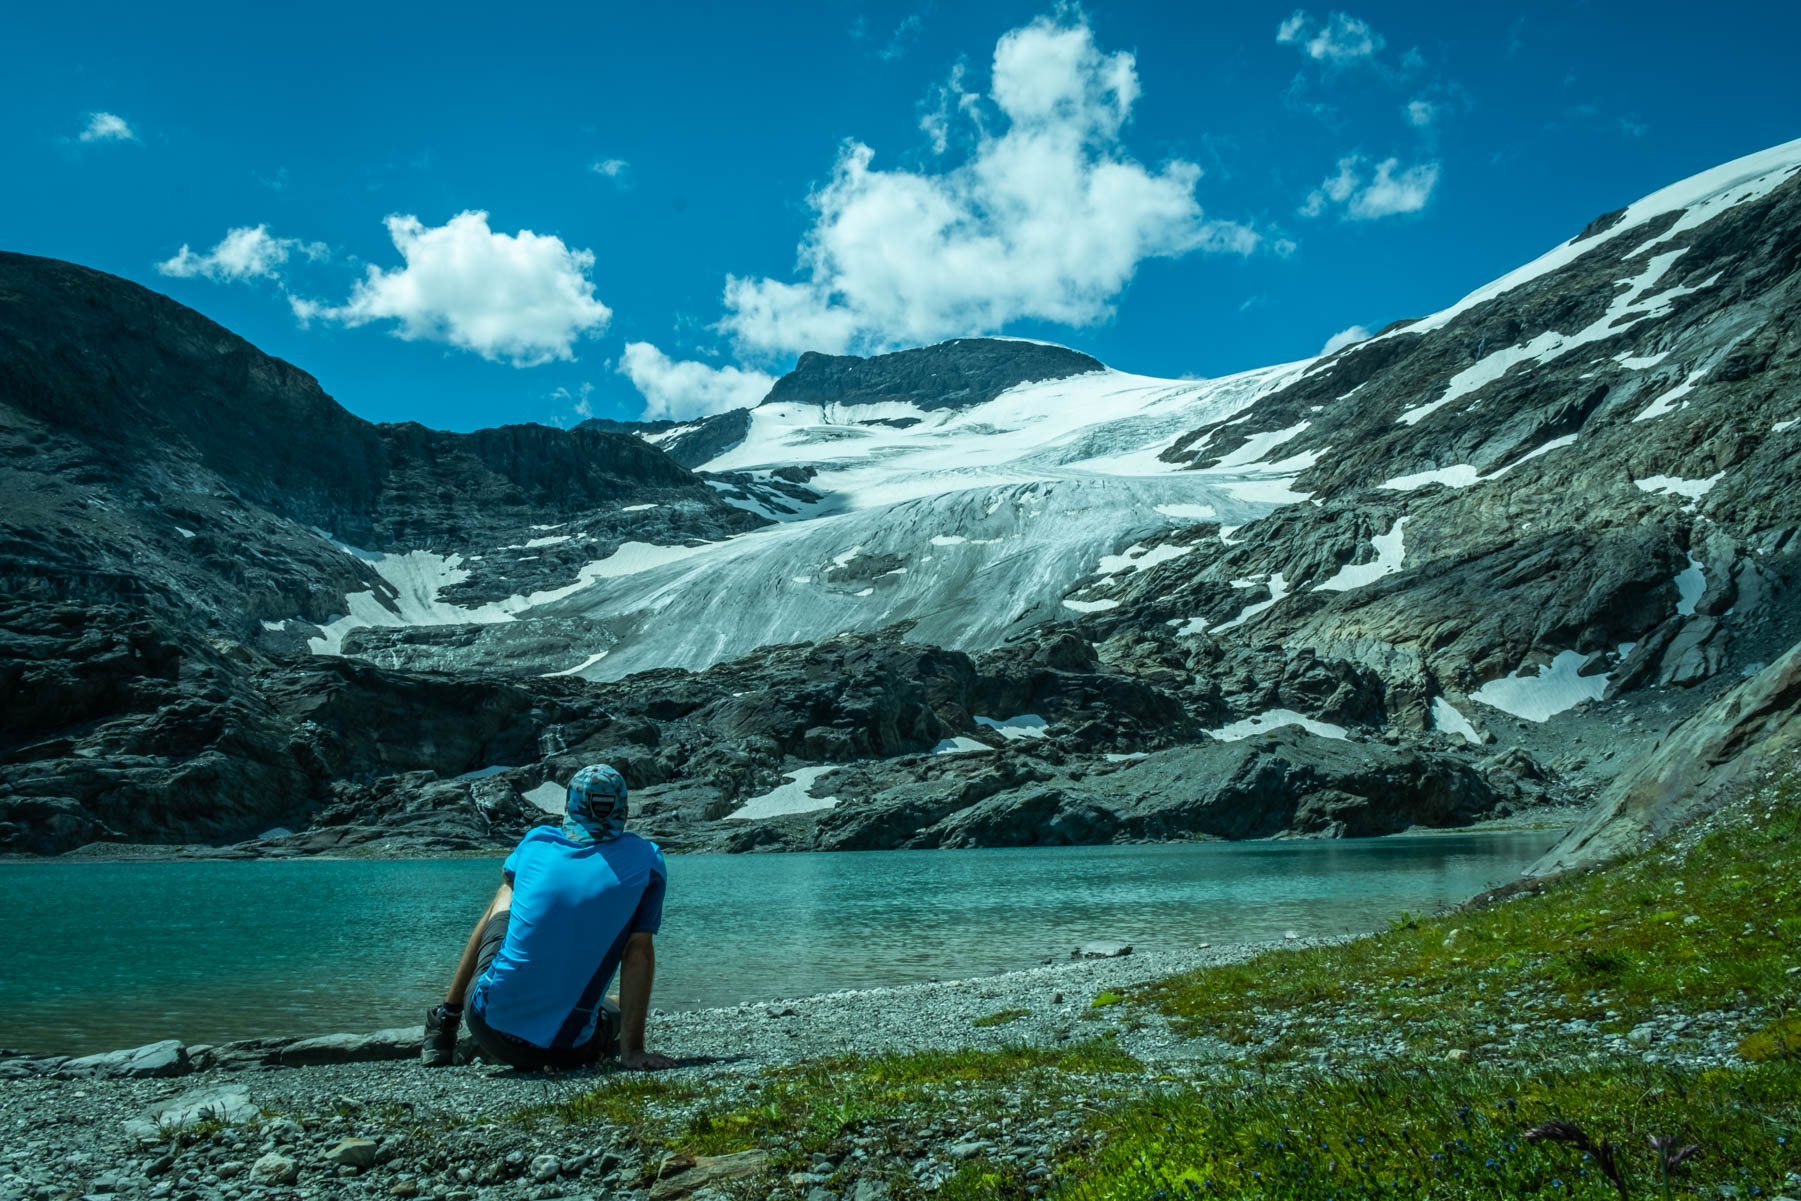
<point x="1483" y="549"/>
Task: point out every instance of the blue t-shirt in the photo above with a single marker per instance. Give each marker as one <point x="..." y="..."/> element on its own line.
<point x="574" y="906"/>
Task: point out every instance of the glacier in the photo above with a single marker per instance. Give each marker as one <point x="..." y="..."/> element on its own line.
<point x="968" y="523"/>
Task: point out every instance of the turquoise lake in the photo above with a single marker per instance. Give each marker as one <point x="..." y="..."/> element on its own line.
<point x="96" y="956"/>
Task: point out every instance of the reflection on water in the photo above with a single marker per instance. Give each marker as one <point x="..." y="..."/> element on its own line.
<point x="112" y="955"/>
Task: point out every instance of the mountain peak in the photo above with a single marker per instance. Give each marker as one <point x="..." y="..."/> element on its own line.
<point x="954" y="374"/>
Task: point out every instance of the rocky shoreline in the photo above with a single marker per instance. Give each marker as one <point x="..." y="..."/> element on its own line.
<point x="356" y="1116"/>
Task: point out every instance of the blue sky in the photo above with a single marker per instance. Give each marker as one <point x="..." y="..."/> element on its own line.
<point x="1179" y="189"/>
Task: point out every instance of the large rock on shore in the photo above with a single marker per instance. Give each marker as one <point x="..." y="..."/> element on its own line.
<point x="166" y="1058"/>
<point x="1288" y="782"/>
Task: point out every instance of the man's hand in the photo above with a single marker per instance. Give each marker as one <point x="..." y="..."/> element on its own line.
<point x="644" y="1061"/>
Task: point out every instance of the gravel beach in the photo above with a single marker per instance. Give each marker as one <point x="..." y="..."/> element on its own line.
<point x="475" y="1132"/>
<point x="104" y="1135"/>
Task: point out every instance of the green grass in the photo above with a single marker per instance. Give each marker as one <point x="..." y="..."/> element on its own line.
<point x="622" y="1101"/>
<point x="1781" y="1039"/>
<point x="1706" y="926"/>
<point x="1449" y="1134"/>
<point x="1610" y="946"/>
<point x="815" y="1103"/>
<point x="1002" y="1018"/>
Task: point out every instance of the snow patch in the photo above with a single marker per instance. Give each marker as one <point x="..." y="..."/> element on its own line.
<point x="1272" y="719"/>
<point x="584" y="665"/>
<point x="1026" y="725"/>
<point x="1390" y="550"/>
<point x="185" y="532"/>
<point x="958" y="745"/>
<point x="636" y="508"/>
<point x="1136" y="558"/>
<point x="1091" y="606"/>
<point x="787" y="798"/>
<point x="1486" y="370"/>
<point x="417" y="577"/>
<point x="1555" y="687"/>
<point x="1258" y="446"/>
<point x="1667" y="402"/>
<point x="1784" y="425"/>
<point x="1457" y="475"/>
<point x="1674" y="485"/>
<point x="1691" y="584"/>
<point x="1188" y="512"/>
<point x="1446" y="717"/>
<point x="1278" y="588"/>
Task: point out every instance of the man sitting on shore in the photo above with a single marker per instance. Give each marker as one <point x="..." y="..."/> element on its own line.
<point x="575" y="904"/>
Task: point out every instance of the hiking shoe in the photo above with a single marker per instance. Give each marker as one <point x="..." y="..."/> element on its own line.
<point x="440" y="1047"/>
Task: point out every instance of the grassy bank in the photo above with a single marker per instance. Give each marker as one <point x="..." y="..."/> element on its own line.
<point x="1570" y="1040"/>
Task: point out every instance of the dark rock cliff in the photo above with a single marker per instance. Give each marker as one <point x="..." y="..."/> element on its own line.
<point x="968" y="371"/>
<point x="149" y="456"/>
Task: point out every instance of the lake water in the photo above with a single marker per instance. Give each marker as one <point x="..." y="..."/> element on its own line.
<point x="95" y="956"/>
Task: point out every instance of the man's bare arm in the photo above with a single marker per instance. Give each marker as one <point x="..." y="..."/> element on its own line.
<point x="465" y="973"/>
<point x="637" y="971"/>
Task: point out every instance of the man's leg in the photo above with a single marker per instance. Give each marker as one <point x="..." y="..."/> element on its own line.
<point x="605" y="1041"/>
<point x="441" y="1023"/>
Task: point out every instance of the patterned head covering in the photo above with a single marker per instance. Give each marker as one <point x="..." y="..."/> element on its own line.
<point x="596" y="809"/>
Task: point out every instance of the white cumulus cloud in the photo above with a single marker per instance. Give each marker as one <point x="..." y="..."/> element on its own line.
<point x="1047" y="220"/>
<point x="244" y="253"/>
<point x="1341" y="38"/>
<point x="108" y="127"/>
<point x="1421" y="113"/>
<point x="1361" y="195"/>
<point x="521" y="298"/>
<point x="1344" y="338"/>
<point x="683" y="390"/>
<point x="615" y="169"/>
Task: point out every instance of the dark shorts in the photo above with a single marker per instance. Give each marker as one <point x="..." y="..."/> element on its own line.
<point x="530" y="1057"/>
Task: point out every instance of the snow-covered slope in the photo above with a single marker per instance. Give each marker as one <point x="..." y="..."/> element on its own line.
<point x="1053" y="498"/>
<point x="966" y="521"/>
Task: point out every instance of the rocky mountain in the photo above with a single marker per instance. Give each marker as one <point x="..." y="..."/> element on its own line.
<point x="989" y="592"/>
<point x="689" y="443"/>
<point x="151" y="458"/>
<point x="951" y="375"/>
